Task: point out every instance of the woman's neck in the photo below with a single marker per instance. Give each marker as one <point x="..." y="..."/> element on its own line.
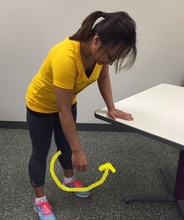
<point x="87" y="58"/>
<point x="85" y="50"/>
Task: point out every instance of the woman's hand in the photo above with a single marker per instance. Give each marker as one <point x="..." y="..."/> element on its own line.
<point x="116" y="113"/>
<point x="79" y="160"/>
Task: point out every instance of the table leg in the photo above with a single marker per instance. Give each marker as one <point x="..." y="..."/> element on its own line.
<point x="179" y="185"/>
<point x="155" y="197"/>
<point x="176" y="185"/>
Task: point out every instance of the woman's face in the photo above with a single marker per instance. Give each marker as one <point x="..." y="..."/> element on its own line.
<point x="104" y="55"/>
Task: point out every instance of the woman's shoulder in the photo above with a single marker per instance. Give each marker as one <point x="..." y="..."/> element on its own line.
<point x="66" y="47"/>
<point x="67" y="44"/>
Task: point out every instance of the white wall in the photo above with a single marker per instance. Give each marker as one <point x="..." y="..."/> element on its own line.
<point x="30" y="28"/>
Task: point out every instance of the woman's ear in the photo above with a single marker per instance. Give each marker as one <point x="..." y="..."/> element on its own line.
<point x="96" y="40"/>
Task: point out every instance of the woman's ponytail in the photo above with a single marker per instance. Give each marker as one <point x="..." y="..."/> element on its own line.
<point x="86" y="30"/>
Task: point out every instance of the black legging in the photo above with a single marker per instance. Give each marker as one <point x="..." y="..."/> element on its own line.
<point x="41" y="127"/>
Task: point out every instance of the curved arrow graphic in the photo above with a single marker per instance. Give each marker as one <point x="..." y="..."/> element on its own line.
<point x="104" y="167"/>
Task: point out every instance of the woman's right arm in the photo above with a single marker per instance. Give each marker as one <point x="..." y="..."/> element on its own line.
<point x="64" y="99"/>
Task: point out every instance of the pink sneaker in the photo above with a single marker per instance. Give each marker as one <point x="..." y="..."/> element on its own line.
<point x="77" y="184"/>
<point x="44" y="210"/>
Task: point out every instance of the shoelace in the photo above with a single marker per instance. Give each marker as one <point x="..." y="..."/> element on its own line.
<point x="77" y="183"/>
<point x="46" y="208"/>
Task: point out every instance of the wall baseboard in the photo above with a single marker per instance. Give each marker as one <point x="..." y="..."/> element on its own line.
<point x="80" y="126"/>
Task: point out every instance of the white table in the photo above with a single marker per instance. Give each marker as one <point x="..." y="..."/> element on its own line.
<point x="158" y="113"/>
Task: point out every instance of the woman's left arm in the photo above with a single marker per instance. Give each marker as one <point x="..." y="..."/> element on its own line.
<point x="104" y="85"/>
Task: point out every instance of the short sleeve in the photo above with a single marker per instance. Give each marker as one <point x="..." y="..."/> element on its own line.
<point x="64" y="71"/>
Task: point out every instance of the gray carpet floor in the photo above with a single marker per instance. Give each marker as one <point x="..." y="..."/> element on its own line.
<point x="137" y="160"/>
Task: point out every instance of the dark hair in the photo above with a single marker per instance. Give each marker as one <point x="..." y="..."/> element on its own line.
<point x="116" y="28"/>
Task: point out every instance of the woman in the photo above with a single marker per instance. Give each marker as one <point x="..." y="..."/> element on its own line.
<point x="51" y="99"/>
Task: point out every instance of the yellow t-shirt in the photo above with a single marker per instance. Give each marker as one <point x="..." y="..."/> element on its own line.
<point x="62" y="68"/>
